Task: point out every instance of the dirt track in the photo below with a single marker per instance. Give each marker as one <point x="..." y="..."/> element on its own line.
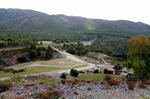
<point x="68" y="56"/>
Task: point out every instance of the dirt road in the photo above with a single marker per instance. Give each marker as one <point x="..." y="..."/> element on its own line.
<point x="57" y="73"/>
<point x="68" y="56"/>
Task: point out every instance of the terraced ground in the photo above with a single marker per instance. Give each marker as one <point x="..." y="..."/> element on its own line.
<point x="53" y="67"/>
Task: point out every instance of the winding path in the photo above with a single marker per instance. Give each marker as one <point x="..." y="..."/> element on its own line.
<point x="52" y="73"/>
<point x="58" y="72"/>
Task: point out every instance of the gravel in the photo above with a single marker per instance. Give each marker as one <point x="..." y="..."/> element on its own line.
<point x="84" y="90"/>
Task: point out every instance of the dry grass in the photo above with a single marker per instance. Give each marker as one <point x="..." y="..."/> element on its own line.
<point x="113" y="82"/>
<point x="131" y="85"/>
<point x="146" y="82"/>
<point x="51" y="94"/>
<point x="142" y="86"/>
<point x="10" y="96"/>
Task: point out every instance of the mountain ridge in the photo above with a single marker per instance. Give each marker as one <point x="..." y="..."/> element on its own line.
<point x="73" y="28"/>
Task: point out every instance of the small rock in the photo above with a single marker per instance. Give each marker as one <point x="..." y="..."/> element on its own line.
<point x="76" y="93"/>
<point x="89" y="88"/>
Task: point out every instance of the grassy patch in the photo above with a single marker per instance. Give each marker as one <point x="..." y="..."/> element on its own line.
<point x="97" y="77"/>
<point x="64" y="57"/>
<point x="80" y="66"/>
<point x="51" y="81"/>
<point x="46" y="42"/>
<point x="29" y="70"/>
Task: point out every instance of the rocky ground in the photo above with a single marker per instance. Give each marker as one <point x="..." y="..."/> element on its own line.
<point x="84" y="90"/>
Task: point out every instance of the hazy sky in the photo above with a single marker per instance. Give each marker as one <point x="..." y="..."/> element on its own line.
<point x="133" y="10"/>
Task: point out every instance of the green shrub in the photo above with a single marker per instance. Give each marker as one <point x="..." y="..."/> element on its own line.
<point x="131" y="78"/>
<point x="1" y="69"/>
<point x="39" y="94"/>
<point x="41" y="48"/>
<point x="22" y="59"/>
<point x="74" y="72"/>
<point x="49" y="55"/>
<point x="96" y="71"/>
<point x="1" y="58"/>
<point x="42" y="54"/>
<point x="63" y="75"/>
<point x="17" y="71"/>
<point x="5" y="85"/>
<point x="14" y="71"/>
<point x="33" y="46"/>
<point x="8" y="70"/>
<point x="33" y="54"/>
<point x="106" y="71"/>
<point x="21" y="70"/>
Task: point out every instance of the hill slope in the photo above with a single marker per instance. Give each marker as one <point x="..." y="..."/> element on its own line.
<point x="50" y="27"/>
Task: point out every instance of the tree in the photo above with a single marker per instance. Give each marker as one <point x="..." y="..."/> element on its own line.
<point x="63" y="75"/>
<point x="50" y="49"/>
<point x="74" y="72"/>
<point x="106" y="71"/>
<point x="138" y="57"/>
<point x="1" y="58"/>
<point x="33" y="54"/>
<point x="64" y="45"/>
<point x="33" y="46"/>
<point x="42" y="54"/>
<point x="41" y="43"/>
<point x="117" y="67"/>
<point x="22" y="59"/>
<point x="20" y="39"/>
<point x="71" y="50"/>
<point x="49" y="53"/>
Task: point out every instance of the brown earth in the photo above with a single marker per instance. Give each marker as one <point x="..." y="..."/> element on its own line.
<point x="61" y="62"/>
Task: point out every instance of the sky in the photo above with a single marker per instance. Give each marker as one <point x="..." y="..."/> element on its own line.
<point x="132" y="10"/>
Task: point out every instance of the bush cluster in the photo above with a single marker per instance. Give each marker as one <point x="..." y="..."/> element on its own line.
<point x="49" y="95"/>
<point x="96" y="71"/>
<point x="63" y="75"/>
<point x="113" y="82"/>
<point x="106" y="71"/>
<point x="33" y="54"/>
<point x="5" y="85"/>
<point x="13" y="70"/>
<point x="22" y="59"/>
<point x="41" y="48"/>
<point x="8" y="70"/>
<point x="17" y="71"/>
<point x="1" y="69"/>
<point x="74" y="72"/>
<point x="131" y="78"/>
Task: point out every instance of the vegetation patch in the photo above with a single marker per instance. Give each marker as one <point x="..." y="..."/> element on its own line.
<point x="29" y="70"/>
<point x="79" y="66"/>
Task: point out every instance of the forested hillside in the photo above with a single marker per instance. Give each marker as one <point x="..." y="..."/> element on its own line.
<point x="111" y="35"/>
<point x="51" y="27"/>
